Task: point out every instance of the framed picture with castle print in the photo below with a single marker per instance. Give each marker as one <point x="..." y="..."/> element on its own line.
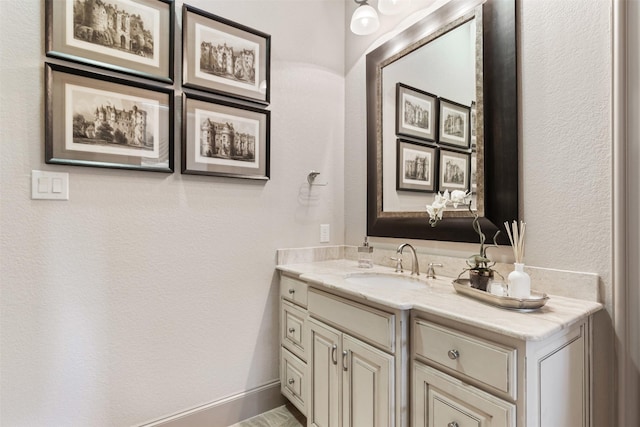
<point x="103" y="121"/>
<point x="416" y="113"/>
<point x="473" y="174"/>
<point x="454" y="169"/>
<point x="416" y="167"/>
<point x="454" y="124"/>
<point x="224" y="139"/>
<point x="224" y="57"/>
<point x="131" y="36"/>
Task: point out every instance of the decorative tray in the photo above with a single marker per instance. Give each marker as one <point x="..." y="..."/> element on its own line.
<point x="536" y="300"/>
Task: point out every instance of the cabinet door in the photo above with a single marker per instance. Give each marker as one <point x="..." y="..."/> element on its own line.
<point x="367" y="380"/>
<point x="440" y="400"/>
<point x="324" y="351"/>
<point x="561" y="395"/>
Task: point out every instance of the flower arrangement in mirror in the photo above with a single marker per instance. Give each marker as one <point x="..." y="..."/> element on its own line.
<point x="480" y="266"/>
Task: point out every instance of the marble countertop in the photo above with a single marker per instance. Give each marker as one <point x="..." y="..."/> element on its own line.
<point x="438" y="297"/>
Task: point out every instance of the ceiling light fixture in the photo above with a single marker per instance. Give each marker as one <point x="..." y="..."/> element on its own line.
<point x="392" y="7"/>
<point x="365" y="19"/>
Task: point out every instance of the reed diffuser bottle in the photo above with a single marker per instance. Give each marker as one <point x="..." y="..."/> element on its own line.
<point x="518" y="280"/>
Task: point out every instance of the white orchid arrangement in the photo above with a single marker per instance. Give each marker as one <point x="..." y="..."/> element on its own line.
<point x="436" y="210"/>
<point x="456" y="198"/>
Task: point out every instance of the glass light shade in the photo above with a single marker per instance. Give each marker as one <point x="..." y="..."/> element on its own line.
<point x="392" y="7"/>
<point x="364" y="20"/>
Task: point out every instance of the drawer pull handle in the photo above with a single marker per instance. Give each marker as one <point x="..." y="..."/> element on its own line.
<point x="334" y="354"/>
<point x="291" y="381"/>
<point x="292" y="330"/>
<point x="453" y="355"/>
<point x="292" y="291"/>
<point x="452" y="424"/>
<point x="345" y="366"/>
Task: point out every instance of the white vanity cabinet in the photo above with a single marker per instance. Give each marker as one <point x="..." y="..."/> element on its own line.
<point x="351" y="381"/>
<point x="361" y="355"/>
<point x="468" y="376"/>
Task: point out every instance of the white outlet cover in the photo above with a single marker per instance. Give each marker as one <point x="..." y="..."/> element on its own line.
<point x="324" y="233"/>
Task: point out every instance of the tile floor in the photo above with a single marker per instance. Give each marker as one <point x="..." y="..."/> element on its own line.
<point x="283" y="416"/>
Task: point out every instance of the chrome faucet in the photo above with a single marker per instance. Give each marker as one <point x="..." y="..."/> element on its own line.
<point x="431" y="272"/>
<point x="415" y="268"/>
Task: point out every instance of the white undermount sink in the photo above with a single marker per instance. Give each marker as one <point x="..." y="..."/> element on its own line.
<point x="383" y="280"/>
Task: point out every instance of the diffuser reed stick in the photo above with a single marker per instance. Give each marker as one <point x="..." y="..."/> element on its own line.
<point x="516" y="237"/>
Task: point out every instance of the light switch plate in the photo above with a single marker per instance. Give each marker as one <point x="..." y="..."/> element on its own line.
<point x="47" y="185"/>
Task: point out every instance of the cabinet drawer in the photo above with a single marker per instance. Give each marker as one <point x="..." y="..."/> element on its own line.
<point x="489" y="363"/>
<point x="293" y="377"/>
<point x="373" y="326"/>
<point x="292" y="329"/>
<point x="293" y="290"/>
<point x="441" y="400"/>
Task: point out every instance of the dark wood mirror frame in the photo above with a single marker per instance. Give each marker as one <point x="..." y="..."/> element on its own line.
<point x="500" y="136"/>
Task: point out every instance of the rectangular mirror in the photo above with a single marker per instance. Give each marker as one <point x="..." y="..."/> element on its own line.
<point x="425" y="88"/>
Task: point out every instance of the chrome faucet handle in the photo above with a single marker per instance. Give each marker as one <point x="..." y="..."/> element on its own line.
<point x="398" y="264"/>
<point x="431" y="272"/>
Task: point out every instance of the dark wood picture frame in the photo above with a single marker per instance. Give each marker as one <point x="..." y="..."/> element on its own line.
<point x="473" y="124"/>
<point x="221" y="138"/>
<point x="416" y="113"/>
<point x="103" y="121"/>
<point x="225" y="57"/>
<point x="416" y="167"/>
<point x="454" y="168"/>
<point x="131" y="36"/>
<point x="454" y="124"/>
<point x="473" y="174"/>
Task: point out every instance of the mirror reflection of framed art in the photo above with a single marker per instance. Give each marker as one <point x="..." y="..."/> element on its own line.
<point x="416" y="113"/>
<point x="416" y="167"/>
<point x="454" y="124"/>
<point x="454" y="170"/>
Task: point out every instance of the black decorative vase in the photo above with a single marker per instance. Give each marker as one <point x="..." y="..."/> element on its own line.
<point x="480" y="279"/>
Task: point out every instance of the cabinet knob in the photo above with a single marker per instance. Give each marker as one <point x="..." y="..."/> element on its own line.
<point x="453" y="355"/>
<point x="292" y="291"/>
<point x="292" y="330"/>
<point x="291" y="381"/>
<point x="452" y="424"/>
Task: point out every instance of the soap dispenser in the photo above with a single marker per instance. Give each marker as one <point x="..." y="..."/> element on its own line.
<point x="365" y="255"/>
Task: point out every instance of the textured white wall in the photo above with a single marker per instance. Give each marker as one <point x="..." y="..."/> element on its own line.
<point x="565" y="143"/>
<point x="146" y="294"/>
<point x="565" y="80"/>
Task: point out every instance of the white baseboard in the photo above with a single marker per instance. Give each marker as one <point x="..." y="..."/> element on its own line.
<point x="227" y="411"/>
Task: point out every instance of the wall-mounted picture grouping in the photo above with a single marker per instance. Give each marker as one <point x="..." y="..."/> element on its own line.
<point x="102" y="119"/>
